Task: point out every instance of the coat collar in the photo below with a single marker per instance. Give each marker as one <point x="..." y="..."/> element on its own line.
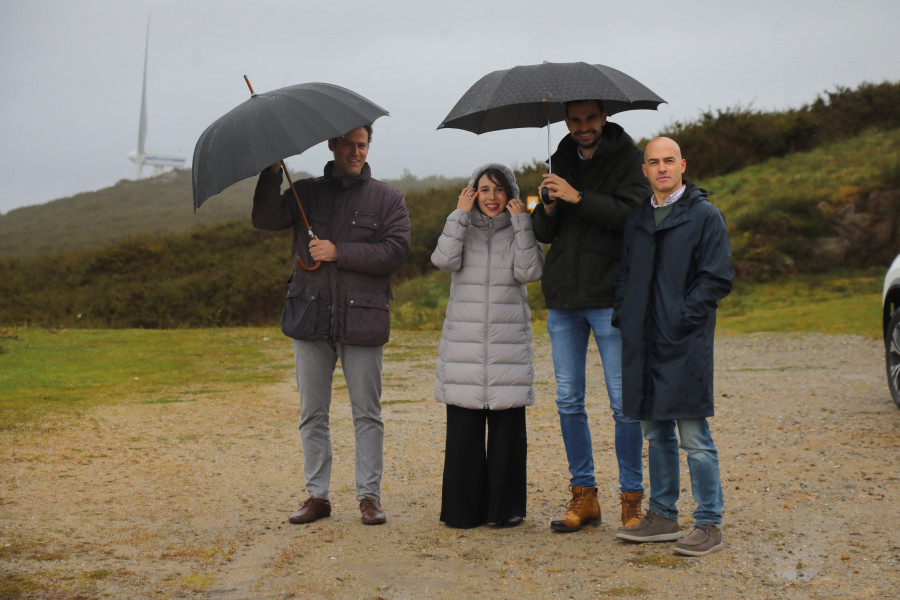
<point x="614" y="138"/>
<point x="479" y="219"/>
<point x="347" y="182"/>
<point x="680" y="210"/>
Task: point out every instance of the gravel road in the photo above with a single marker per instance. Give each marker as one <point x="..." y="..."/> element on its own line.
<point x="190" y="499"/>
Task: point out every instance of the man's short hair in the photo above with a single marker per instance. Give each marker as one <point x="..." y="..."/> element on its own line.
<point x="368" y="129"/>
<point x="599" y="104"/>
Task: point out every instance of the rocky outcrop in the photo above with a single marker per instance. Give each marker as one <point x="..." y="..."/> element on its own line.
<point x="866" y="230"/>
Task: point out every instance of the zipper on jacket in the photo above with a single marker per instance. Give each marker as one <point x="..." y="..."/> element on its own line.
<point x="487" y="309"/>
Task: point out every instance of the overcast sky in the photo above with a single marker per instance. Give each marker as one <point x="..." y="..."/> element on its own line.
<point x="71" y="93"/>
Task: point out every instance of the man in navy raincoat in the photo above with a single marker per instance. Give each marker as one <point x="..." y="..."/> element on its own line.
<point x="675" y="267"/>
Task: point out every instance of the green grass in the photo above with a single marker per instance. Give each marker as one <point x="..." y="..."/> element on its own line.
<point x="847" y="303"/>
<point x="836" y="303"/>
<point x="43" y="371"/>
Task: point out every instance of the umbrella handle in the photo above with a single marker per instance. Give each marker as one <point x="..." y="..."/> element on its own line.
<point x="297" y="199"/>
<point x="549" y="154"/>
<point x="300" y="264"/>
<point x="303" y="216"/>
<point x="308" y="269"/>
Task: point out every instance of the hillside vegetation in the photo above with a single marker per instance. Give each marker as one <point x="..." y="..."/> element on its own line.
<point x="812" y="212"/>
<point x="734" y="138"/>
<point x="716" y="143"/>
<point x="835" y="207"/>
<point x="156" y="206"/>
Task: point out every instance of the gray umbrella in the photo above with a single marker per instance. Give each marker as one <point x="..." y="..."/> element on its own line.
<point x="272" y="126"/>
<point x="534" y="96"/>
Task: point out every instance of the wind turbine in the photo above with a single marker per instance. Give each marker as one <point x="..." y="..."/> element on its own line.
<point x="157" y="160"/>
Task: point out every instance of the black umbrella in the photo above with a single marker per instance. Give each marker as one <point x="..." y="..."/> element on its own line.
<point x="269" y="127"/>
<point x="535" y="96"/>
<point x="272" y="126"/>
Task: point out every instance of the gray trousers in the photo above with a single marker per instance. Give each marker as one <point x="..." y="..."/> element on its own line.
<point x="315" y="363"/>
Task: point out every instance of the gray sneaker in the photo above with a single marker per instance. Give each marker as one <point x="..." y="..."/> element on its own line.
<point x="652" y="528"/>
<point x="705" y="538"/>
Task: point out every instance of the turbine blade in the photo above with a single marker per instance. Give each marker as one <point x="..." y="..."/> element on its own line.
<point x="142" y="125"/>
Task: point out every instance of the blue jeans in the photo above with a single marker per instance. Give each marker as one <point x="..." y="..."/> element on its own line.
<point x="569" y="336"/>
<point x="703" y="464"/>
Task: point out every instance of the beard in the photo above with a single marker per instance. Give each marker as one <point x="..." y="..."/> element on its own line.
<point x="589" y="142"/>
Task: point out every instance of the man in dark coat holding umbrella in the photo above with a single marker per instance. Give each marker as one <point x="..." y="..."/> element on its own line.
<point x="675" y="267"/>
<point x="340" y="309"/>
<point x="595" y="185"/>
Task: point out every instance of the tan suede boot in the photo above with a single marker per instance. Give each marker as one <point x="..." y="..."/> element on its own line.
<point x="584" y="509"/>
<point x="631" y="508"/>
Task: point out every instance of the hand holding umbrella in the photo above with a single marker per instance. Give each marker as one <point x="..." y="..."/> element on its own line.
<point x="322" y="251"/>
<point x="560" y="190"/>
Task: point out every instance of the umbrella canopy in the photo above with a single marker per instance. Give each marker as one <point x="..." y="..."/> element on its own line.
<point x="534" y="96"/>
<point x="272" y="126"/>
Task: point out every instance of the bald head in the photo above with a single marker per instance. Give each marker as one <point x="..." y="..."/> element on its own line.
<point x="664" y="145"/>
<point x="663" y="167"/>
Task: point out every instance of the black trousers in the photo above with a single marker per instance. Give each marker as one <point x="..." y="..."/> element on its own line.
<point x="484" y="484"/>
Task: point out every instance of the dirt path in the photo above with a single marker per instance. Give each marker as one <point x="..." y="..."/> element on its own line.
<point x="190" y="499"/>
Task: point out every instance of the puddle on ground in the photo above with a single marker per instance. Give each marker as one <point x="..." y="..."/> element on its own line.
<point x="796" y="572"/>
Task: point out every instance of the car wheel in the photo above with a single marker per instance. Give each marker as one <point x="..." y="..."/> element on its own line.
<point x="892" y="356"/>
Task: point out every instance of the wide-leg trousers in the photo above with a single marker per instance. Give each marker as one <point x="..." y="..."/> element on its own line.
<point x="484" y="482"/>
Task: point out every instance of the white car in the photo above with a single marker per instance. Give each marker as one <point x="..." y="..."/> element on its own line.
<point x="890" y="302"/>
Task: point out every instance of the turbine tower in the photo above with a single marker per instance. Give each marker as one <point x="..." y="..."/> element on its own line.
<point x="141" y="157"/>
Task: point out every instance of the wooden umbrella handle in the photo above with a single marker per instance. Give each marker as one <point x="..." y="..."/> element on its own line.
<point x="297" y="199"/>
<point x="305" y="222"/>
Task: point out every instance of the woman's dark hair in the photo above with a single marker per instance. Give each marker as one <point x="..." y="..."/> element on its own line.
<point x="497" y="176"/>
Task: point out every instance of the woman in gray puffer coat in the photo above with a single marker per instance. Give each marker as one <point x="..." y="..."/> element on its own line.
<point x="485" y="370"/>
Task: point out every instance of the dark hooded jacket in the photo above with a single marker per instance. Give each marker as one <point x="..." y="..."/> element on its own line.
<point x="347" y="300"/>
<point x="670" y="280"/>
<point x="586" y="239"/>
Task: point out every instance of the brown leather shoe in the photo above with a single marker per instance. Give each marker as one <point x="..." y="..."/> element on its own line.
<point x="584" y="509"/>
<point x="631" y="508"/>
<point x="371" y="511"/>
<point x="311" y="510"/>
